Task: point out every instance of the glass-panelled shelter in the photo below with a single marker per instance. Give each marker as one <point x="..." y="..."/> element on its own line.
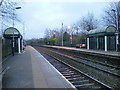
<point x="12" y="36"/>
<point x="102" y="39"/>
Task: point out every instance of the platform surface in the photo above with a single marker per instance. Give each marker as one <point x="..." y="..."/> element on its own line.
<point x="112" y="53"/>
<point x="31" y="70"/>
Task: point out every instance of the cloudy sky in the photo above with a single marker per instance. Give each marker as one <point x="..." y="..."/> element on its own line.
<point x="39" y="15"/>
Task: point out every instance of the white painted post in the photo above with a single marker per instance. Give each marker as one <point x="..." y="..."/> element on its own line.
<point x="117" y="42"/>
<point x="88" y="44"/>
<point x="22" y="45"/>
<point x="105" y="43"/>
<point x="97" y="43"/>
<point x="19" y="45"/>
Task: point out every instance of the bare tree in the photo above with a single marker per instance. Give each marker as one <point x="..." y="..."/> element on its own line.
<point x="47" y="33"/>
<point x="112" y="17"/>
<point x="1" y="2"/>
<point x="7" y="10"/>
<point x="88" y="22"/>
<point x="112" y="14"/>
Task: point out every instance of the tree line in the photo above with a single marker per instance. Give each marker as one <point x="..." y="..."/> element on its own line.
<point x="79" y="30"/>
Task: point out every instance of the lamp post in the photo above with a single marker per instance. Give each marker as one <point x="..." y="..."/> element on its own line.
<point x="54" y="33"/>
<point x="1" y="26"/>
<point x="13" y="39"/>
<point x="24" y="30"/>
<point x="62" y="34"/>
<point x="117" y="29"/>
<point x="70" y="29"/>
<point x="13" y="44"/>
<point x="14" y="13"/>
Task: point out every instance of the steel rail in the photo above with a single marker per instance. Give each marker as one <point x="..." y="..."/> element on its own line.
<point x="104" y="85"/>
<point x="75" y="59"/>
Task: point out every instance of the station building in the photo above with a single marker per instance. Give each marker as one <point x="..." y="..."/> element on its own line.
<point x="102" y="39"/>
<point x="14" y="39"/>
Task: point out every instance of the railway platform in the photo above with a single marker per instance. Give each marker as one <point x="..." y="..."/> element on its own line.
<point x="110" y="53"/>
<point x="31" y="70"/>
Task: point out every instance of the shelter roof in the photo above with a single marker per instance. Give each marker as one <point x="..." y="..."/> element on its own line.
<point x="105" y="30"/>
<point x="11" y="31"/>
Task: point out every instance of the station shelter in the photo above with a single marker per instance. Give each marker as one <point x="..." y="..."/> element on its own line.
<point x="102" y="39"/>
<point x="13" y="37"/>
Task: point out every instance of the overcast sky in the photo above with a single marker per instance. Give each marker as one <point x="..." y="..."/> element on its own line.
<point x="39" y="15"/>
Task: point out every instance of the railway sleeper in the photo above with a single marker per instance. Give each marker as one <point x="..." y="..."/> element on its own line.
<point x="67" y="72"/>
<point x="64" y="73"/>
<point x="72" y="76"/>
<point x="74" y="79"/>
<point x="81" y="81"/>
<point x="62" y="68"/>
<point x="88" y="85"/>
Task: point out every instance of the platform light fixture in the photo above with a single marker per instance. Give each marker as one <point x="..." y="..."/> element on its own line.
<point x="62" y="34"/>
<point x="70" y="29"/>
<point x="14" y="13"/>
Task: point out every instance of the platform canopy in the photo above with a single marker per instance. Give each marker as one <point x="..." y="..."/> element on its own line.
<point x="10" y="32"/>
<point x="102" y="31"/>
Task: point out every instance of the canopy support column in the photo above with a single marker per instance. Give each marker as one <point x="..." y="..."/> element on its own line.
<point x="97" y="43"/>
<point x="19" y="45"/>
<point x="88" y="44"/>
<point x="105" y="43"/>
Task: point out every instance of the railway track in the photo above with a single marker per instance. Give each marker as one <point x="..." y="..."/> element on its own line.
<point x="81" y="55"/>
<point x="78" y="78"/>
<point x="108" y="69"/>
<point x="105" y="60"/>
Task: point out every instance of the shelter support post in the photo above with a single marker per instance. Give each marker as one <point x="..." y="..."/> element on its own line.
<point x="97" y="43"/>
<point x="22" y="45"/>
<point x="117" y="42"/>
<point x="88" y="44"/>
<point x="19" y="45"/>
<point x="105" y="43"/>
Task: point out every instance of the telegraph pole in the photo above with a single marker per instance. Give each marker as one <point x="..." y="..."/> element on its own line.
<point x="62" y="34"/>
